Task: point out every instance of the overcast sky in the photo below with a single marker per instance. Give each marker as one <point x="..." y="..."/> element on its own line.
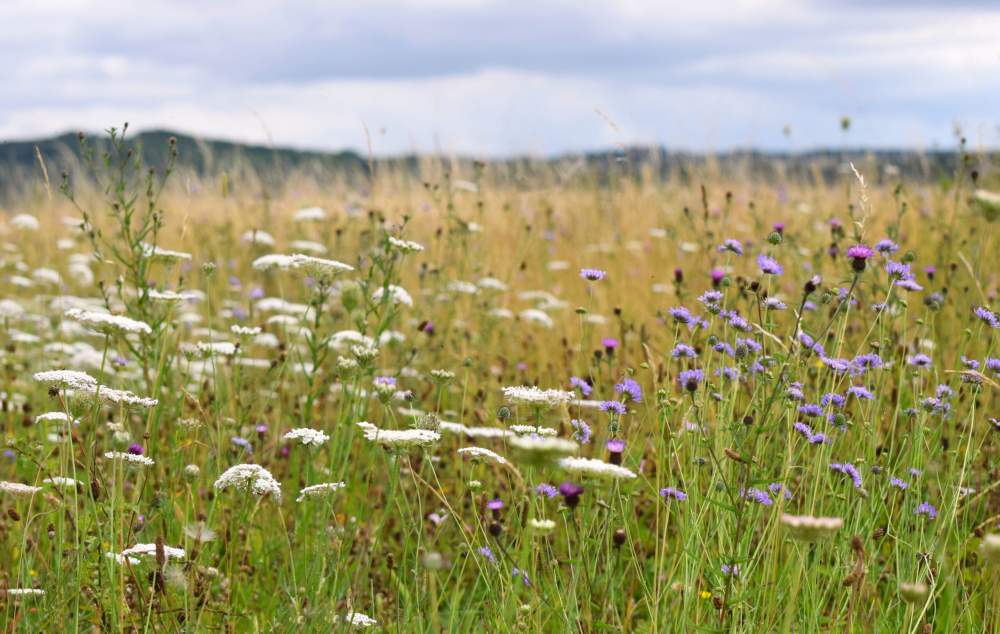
<point x="500" y="77"/>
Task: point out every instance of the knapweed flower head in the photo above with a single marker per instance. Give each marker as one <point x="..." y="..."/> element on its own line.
<point x="768" y="265"/>
<point x="859" y="254"/>
<point x="691" y="379"/>
<point x="593" y="275"/>
<point x="249" y="478"/>
<point x="570" y="492"/>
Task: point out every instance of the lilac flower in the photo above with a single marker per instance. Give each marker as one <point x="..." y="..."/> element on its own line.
<point x="690" y="379"/>
<point x="929" y="271"/>
<point x="725" y="348"/>
<point x="768" y="265"/>
<point x="936" y="405"/>
<point x="777" y="488"/>
<point x="581" y="433"/>
<point x="899" y="484"/>
<point x="898" y="270"/>
<point x="614" y="407"/>
<point x="710" y="297"/>
<point x="909" y="285"/>
<point x="868" y="361"/>
<point x="752" y="344"/>
<point x="243" y="443"/>
<point x="919" y="360"/>
<point x="593" y="275"/>
<point x="495" y="504"/>
<point x="733" y="570"/>
<point x="808" y="434"/>
<point x="832" y="398"/>
<point x="758" y="496"/>
<point x="630" y="387"/>
<point x="487" y="554"/>
<point x="731" y="245"/>
<point x="811" y="409"/>
<point x="671" y="492"/>
<point x="739" y="323"/>
<point x="993" y="365"/>
<point x="840" y="366"/>
<point x="916" y="473"/>
<point x="518" y="573"/>
<point x="848" y="469"/>
<point x="773" y="303"/>
<point x="683" y="350"/>
<point x="682" y="315"/>
<point x="860" y="392"/>
<point x="384" y="381"/>
<point x="547" y="490"/>
<point x="580" y="384"/>
<point x="885" y="246"/>
<point x="731" y="374"/>
<point x="943" y="391"/>
<point x="811" y="344"/>
<point x="609" y="344"/>
<point x="987" y="316"/>
<point x="135" y="449"/>
<point x="794" y="392"/>
<point x="926" y="509"/>
<point x="972" y="364"/>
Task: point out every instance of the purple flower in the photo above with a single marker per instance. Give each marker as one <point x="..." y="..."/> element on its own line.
<point x="987" y="316"/>
<point x="725" y="348"/>
<point x="898" y="270"/>
<point x="487" y="554"/>
<point x="261" y="429"/>
<point x="683" y="350"/>
<point x="135" y="449"/>
<point x="710" y="298"/>
<point x="571" y="493"/>
<point x="832" y="398"/>
<point x="811" y="409"/>
<point x="614" y="407"/>
<point x="777" y="488"/>
<point x="859" y="255"/>
<point x="384" y="381"/>
<point x="630" y="387"/>
<point x="581" y="433"/>
<point x="243" y="443"/>
<point x="757" y="495"/>
<point x="909" y="285"/>
<point x="615" y="447"/>
<point x="495" y="504"/>
<point x="731" y="245"/>
<point x="868" y="361"/>
<point x="794" y="392"/>
<point x="919" y="360"/>
<point x="885" y="246"/>
<point x="927" y="509"/>
<point x="972" y="364"/>
<point x="730" y="374"/>
<point x="690" y="379"/>
<point x="733" y="570"/>
<point x="547" y="490"/>
<point x="899" y="484"/>
<point x="773" y="303"/>
<point x="682" y="315"/>
<point x="580" y="384"/>
<point x="593" y="275"/>
<point x="671" y="492"/>
<point x="717" y="277"/>
<point x="850" y="470"/>
<point x="256" y="292"/>
<point x="609" y="344"/>
<point x="769" y="265"/>
<point x="860" y="391"/>
<point x="993" y="365"/>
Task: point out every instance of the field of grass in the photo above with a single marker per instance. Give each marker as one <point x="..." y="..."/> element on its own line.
<point x="734" y="370"/>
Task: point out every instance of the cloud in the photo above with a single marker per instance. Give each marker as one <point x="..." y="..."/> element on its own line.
<point x="486" y="77"/>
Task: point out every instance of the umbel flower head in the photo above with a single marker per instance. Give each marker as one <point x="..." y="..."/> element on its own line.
<point x="535" y="396"/>
<point x="250" y="478"/>
<point x="539" y="449"/>
<point x="108" y="323"/>
<point x="596" y="468"/>
<point x="810" y="529"/>
<point x="307" y="436"/>
<point x="399" y="438"/>
<point x="317" y="490"/>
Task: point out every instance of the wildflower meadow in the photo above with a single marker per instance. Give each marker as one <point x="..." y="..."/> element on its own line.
<point x="476" y="399"/>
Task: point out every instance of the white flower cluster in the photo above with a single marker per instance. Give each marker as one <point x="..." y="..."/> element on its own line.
<point x="156" y="253"/>
<point x="129" y="458"/>
<point x="317" y="490"/>
<point x="217" y="348"/>
<point x="539" y="446"/>
<point x="149" y="550"/>
<point x="359" y="620"/>
<point x="481" y="453"/>
<point x="397" y="295"/>
<point x="124" y="397"/>
<point x="68" y="379"/>
<point x="810" y="529"/>
<point x="596" y="468"/>
<point x="405" y="246"/>
<point x="307" y="436"/>
<point x="249" y="477"/>
<point x="18" y="489"/>
<point x="532" y="430"/>
<point x="319" y="267"/>
<point x="399" y="437"/>
<point x="535" y="397"/>
<point x="108" y="323"/>
<point x="309" y="214"/>
<point x="244" y="331"/>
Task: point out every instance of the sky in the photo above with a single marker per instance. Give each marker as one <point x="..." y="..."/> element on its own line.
<point x="495" y="78"/>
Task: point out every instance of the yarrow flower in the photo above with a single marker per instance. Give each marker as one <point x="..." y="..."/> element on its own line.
<point x="399" y="438"/>
<point x="18" y="490"/>
<point x="536" y="397"/>
<point x="108" y="323"/>
<point x="596" y="468"/>
<point x="129" y="458"/>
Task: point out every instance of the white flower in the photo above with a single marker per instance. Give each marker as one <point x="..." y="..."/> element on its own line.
<point x="465" y="288"/>
<point x="256" y="236"/>
<point x="405" y="246"/>
<point x="250" y="478"/>
<point x="541" y="525"/>
<point x="397" y="295"/>
<point x="129" y="458"/>
<point x="70" y="379"/>
<point x="169" y="296"/>
<point x="316" y="490"/>
<point x="307" y="436"/>
<point x="59" y="481"/>
<point x="22" y="592"/>
<point x="990" y="547"/>
<point x="481" y="453"/>
<point x="810" y="529"/>
<point x="156" y="253"/>
<point x="535" y="397"/>
<point x="18" y="489"/>
<point x="217" y="348"/>
<point x="309" y="246"/>
<point x="123" y="397"/>
<point x="475" y="432"/>
<point x="399" y="437"/>
<point x="149" y="550"/>
<point x="25" y="222"/>
<point x="108" y="323"/>
<point x="319" y="267"/>
<point x="273" y="261"/>
<point x="492" y="284"/>
<point x="596" y="468"/>
<point x="54" y="417"/>
<point x="47" y="276"/>
<point x="309" y="214"/>
<point x="536" y="316"/>
<point x="541" y="447"/>
<point x="531" y="429"/>
<point x="122" y="559"/>
<point x="10" y="309"/>
<point x="359" y="620"/>
<point x="243" y="331"/>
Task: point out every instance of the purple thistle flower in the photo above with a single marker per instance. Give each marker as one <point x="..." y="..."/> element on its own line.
<point x="717" y="276"/>
<point x="609" y="343"/>
<point x="135" y="449"/>
<point x="495" y="504"/>
<point x="630" y="387"/>
<point x="671" y="492"/>
<point x="615" y="447"/>
<point x="850" y="470"/>
<point x="768" y="265"/>
<point x="859" y="254"/>
<point x="593" y="275"/>
<point x="571" y="493"/>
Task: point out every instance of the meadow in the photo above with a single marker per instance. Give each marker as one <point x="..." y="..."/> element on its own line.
<point x="463" y="403"/>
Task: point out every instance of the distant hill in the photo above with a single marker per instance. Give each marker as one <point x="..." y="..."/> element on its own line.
<point x="20" y="171"/>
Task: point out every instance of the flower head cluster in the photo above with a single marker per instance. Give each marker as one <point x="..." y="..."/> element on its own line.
<point x="108" y="323"/>
<point x="249" y="478"/>
<point x="307" y="436"/>
<point x="535" y="396"/>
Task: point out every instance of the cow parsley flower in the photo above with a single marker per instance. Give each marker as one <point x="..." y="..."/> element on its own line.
<point x="307" y="436"/>
<point x="17" y="489"/>
<point x="129" y="458"/>
<point x="536" y="397"/>
<point x="249" y="478"/>
<point x="596" y="468"/>
<point x="317" y="490"/>
<point x="399" y="437"/>
<point x="108" y="323"/>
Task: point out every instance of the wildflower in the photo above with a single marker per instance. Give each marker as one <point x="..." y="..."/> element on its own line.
<point x="615" y="407"/>
<point x="731" y="569"/>
<point x="868" y="361"/>
<point x="993" y="365"/>
<point x="850" y="470"/>
<point x="536" y="397"/>
<point x="405" y="246"/>
<point x="808" y="434"/>
<point x="898" y="271"/>
<point x="307" y="436"/>
<point x="538" y="449"/>
<point x="129" y="458"/>
<point x="359" y="620"/>
<point x="683" y="350"/>
<point x="811" y="409"/>
<point x="690" y="379"/>
<point x="990" y="547"/>
<point x="810" y="529"/>
<point x="395" y="295"/>
<point x="859" y="255"/>
<point x="987" y="316"/>
<point x="733" y="246"/>
<point x="914" y="592"/>
<point x="682" y="315"/>
<point x="757" y="495"/>
<point x="581" y="431"/>
<point x="24" y="592"/>
<point x="487" y="554"/>
<point x="886" y="246"/>
<point x="399" y="438"/>
<point x="671" y="492"/>
<point x="571" y="493"/>
<point x="768" y="265"/>
<point x="710" y="298"/>
<point x="596" y="468"/>
<point x="483" y="454"/>
<point x="149" y="550"/>
<point x="200" y="532"/>
<point x="108" y="323"/>
<point x="926" y="509"/>
<point x="919" y="360"/>
<point x="630" y="387"/>
<point x="593" y="275"/>
<point x="581" y="384"/>
<point x="860" y="392"/>
<point x="547" y="490"/>
<point x="902" y="485"/>
<point x="17" y="489"/>
<point x="250" y="478"/>
<point x="832" y="398"/>
<point x="773" y="303"/>
<point x="542" y="526"/>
